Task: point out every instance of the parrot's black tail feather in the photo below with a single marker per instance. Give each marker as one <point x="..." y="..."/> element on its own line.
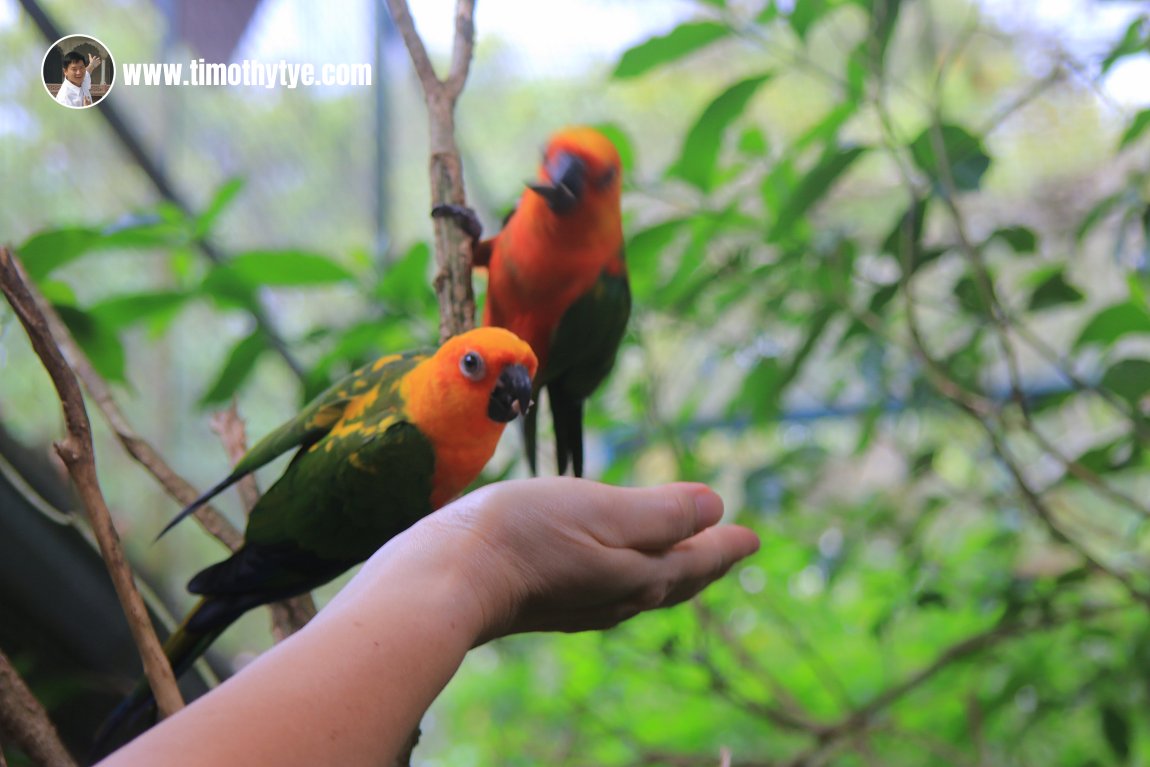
<point x="567" y="415"/>
<point x="135" y="714"/>
<point x="230" y="480"/>
<point x="529" y="426"/>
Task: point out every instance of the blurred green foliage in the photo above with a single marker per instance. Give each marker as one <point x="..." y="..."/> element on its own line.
<point x="895" y="317"/>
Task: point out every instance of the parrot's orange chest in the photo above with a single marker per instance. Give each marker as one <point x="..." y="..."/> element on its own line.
<point x="538" y="271"/>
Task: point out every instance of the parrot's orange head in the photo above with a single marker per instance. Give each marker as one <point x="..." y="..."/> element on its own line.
<point x="463" y="396"/>
<point x="581" y="168"/>
<point x="486" y="370"/>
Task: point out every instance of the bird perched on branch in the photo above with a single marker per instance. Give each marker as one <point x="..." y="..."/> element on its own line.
<point x="557" y="278"/>
<point x="390" y="443"/>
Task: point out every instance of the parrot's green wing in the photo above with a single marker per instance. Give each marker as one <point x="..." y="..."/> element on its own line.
<point x="581" y="354"/>
<point x="324" y="515"/>
<point x="312" y="423"/>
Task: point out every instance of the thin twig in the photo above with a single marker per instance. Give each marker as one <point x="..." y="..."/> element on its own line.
<point x="790" y="713"/>
<point x="26" y="722"/>
<point x="229" y="427"/>
<point x="452" y="247"/>
<point x="76" y="452"/>
<point x="864" y="716"/>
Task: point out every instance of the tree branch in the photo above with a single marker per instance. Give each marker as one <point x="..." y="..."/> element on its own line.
<point x="77" y="454"/>
<point x="452" y="247"/>
<point x="26" y="722"/>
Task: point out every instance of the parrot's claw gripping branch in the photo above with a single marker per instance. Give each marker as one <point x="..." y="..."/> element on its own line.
<point x="464" y="217"/>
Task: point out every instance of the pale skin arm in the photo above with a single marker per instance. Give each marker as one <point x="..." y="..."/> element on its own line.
<point x="545" y="554"/>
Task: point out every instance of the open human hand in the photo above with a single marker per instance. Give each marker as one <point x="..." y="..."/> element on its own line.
<point x="563" y="554"/>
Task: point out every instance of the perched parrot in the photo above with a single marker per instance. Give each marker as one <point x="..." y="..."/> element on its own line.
<point x="390" y="443"/>
<point x="558" y="280"/>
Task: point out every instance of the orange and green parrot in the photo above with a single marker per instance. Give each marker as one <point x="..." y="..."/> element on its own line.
<point x="557" y="278"/>
<point x="378" y="450"/>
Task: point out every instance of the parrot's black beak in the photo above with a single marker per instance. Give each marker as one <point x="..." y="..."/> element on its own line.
<point x="511" y="396"/>
<point x="567" y="174"/>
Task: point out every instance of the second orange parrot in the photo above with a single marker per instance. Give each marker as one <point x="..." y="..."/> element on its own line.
<point x="557" y="279"/>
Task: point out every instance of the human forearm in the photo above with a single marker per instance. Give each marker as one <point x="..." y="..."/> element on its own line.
<point x="345" y="690"/>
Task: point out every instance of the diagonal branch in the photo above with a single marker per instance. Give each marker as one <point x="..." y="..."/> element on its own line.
<point x="76" y="452"/>
<point x="26" y="722"/>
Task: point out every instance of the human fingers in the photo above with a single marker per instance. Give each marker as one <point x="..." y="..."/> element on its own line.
<point x="704" y="558"/>
<point x="650" y="580"/>
<point x="651" y="518"/>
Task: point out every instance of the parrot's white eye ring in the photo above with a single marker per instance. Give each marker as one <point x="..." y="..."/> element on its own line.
<point x="472" y="366"/>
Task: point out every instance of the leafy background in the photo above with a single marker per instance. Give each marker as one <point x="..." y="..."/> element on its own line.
<point x="890" y="271"/>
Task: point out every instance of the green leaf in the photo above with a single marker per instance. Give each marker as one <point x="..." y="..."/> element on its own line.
<point x="970" y="295"/>
<point x="857" y="67"/>
<point x="405" y="287"/>
<point x="1113" y="322"/>
<point x="690" y="275"/>
<point x="753" y="142"/>
<point x="769" y="13"/>
<point x="1103" y="208"/>
<point x="931" y="598"/>
<point x="622" y="141"/>
<point x="1116" y="729"/>
<point x="45" y="252"/>
<point x="1129" y="379"/>
<point x="1137" y="127"/>
<point x="239" y="365"/>
<point x="759" y="396"/>
<point x="1136" y="40"/>
<point x="1052" y="290"/>
<point x="905" y="239"/>
<point x="1111" y="456"/>
<point x="220" y="201"/>
<point x="700" y="153"/>
<point x="1019" y="238"/>
<point x="804" y="15"/>
<point x="679" y="42"/>
<point x="884" y="15"/>
<point x="811" y="188"/>
<point x="882" y="296"/>
<point x="826" y="129"/>
<point x="286" y="268"/>
<point x="777" y="184"/>
<point x="228" y="289"/>
<point x="99" y="342"/>
<point x="57" y="292"/>
<point x="123" y="311"/>
<point x="815" y="328"/>
<point x="644" y="249"/>
<point x="962" y="157"/>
